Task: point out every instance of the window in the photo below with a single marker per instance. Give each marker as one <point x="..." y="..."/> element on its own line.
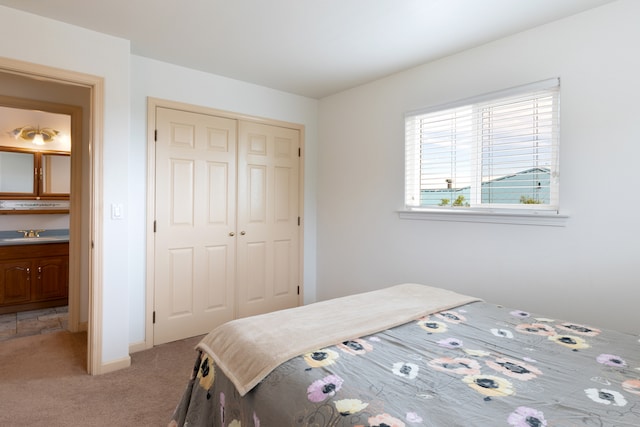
<point x="493" y="153"/>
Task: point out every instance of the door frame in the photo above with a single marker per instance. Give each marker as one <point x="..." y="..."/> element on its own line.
<point x="152" y="105"/>
<point x="94" y="146"/>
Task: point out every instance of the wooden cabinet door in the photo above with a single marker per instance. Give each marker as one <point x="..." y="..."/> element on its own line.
<point x="51" y="278"/>
<point x="15" y="282"/>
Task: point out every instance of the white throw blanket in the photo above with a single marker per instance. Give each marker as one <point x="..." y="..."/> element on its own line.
<point x="248" y="349"/>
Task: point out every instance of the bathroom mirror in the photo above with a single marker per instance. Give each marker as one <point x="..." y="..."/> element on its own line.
<point x="17" y="173"/>
<point x="56" y="175"/>
<point x="34" y="175"/>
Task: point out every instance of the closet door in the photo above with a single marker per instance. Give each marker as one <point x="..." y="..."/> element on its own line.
<point x="268" y="245"/>
<point x="195" y="223"/>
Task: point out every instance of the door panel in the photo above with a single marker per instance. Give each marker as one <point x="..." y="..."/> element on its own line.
<point x="181" y="281"/>
<point x="195" y="221"/>
<point x="268" y="210"/>
<point x="181" y="192"/>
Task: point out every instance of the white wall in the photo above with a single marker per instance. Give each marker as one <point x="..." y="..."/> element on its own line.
<point x="585" y="271"/>
<point x="150" y="78"/>
<point x="72" y="48"/>
<point x="129" y="80"/>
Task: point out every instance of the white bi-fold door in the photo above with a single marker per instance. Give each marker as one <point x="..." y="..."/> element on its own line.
<point x="227" y="234"/>
<point x="268" y="248"/>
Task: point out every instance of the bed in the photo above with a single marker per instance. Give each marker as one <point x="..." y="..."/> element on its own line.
<point x="411" y="355"/>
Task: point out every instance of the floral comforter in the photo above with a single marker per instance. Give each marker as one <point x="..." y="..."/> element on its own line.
<point x="476" y="365"/>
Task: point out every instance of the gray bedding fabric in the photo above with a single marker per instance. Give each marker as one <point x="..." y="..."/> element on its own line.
<point x="475" y="365"/>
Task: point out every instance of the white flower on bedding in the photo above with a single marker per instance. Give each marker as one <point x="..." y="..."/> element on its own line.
<point x="407" y="370"/>
<point x="606" y="397"/>
<point x="503" y="333"/>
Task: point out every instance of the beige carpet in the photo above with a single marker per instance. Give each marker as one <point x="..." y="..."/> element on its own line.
<point x="43" y="382"/>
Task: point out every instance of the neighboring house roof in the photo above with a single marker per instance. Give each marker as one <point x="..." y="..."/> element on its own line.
<point x="532" y="184"/>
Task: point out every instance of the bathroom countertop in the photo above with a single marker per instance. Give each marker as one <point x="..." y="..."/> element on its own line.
<point x="8" y="238"/>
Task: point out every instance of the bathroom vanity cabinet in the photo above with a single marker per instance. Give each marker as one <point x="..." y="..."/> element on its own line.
<point x="33" y="276"/>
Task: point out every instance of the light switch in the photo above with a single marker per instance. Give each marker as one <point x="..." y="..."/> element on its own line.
<point x="117" y="211"/>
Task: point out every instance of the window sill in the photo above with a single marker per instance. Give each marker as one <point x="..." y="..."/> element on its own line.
<point x="552" y="219"/>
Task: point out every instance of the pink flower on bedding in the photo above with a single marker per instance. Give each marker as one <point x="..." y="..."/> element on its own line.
<point x="526" y="417"/>
<point x="514" y="368"/>
<point x="413" y="417"/>
<point x="611" y="360"/>
<point x="222" y="408"/>
<point x="385" y="420"/>
<point x="450" y="343"/>
<point x="355" y="347"/>
<point x="326" y="387"/>
<point x="520" y="313"/>
<point x="632" y="386"/>
<point x="579" y="329"/>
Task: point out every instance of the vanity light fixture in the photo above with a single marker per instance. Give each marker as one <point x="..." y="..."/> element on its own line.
<point x="35" y="134"/>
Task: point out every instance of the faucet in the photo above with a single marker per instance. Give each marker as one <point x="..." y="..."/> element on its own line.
<point x="30" y="233"/>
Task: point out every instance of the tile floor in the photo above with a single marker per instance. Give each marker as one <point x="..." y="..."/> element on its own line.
<point x="44" y="321"/>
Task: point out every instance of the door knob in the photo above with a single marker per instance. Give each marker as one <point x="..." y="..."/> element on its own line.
<point x="242" y="233"/>
<point x="231" y="233"/>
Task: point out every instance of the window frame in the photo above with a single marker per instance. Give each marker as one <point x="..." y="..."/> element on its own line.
<point x="510" y="213"/>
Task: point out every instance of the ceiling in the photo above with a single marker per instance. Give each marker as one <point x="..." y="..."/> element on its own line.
<point x="310" y="48"/>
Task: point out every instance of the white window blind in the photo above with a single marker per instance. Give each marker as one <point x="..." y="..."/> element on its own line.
<point x="497" y="151"/>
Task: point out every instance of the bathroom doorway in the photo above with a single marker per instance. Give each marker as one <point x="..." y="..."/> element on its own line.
<point x="43" y="207"/>
<point x="48" y="87"/>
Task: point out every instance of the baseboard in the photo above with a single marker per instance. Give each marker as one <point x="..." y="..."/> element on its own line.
<point x="138" y="346"/>
<point x="83" y="326"/>
<point x="115" y="365"/>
